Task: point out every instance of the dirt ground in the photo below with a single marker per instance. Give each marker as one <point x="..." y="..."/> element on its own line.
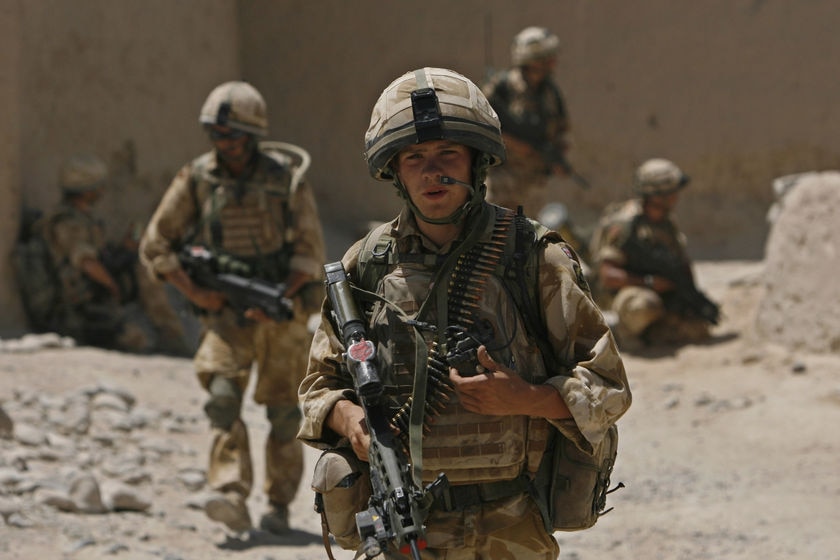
<point x="729" y="452"/>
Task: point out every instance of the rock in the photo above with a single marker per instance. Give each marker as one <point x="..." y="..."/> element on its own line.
<point x="57" y="499"/>
<point x="8" y="507"/>
<point x="192" y="479"/>
<point x="109" y="401"/>
<point x="121" y="497"/>
<point x="84" y="491"/>
<point x="30" y="435"/>
<point x="801" y="306"/>
<point x="7" y="426"/>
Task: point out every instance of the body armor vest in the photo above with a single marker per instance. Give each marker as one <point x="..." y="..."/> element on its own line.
<point x="247" y="218"/>
<point x="469" y="447"/>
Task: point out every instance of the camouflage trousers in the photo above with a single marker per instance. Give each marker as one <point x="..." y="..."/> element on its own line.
<point x="642" y="313"/>
<point x="277" y="353"/>
<point x="510" y="189"/>
<point x="509" y="528"/>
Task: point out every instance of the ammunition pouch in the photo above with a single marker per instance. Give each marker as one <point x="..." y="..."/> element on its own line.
<point x="571" y="486"/>
<point x="341" y="482"/>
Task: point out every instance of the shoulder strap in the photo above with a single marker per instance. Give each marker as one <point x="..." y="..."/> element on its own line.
<point x="521" y="277"/>
<point x="376" y="253"/>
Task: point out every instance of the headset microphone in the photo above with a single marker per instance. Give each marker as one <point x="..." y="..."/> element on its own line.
<point x="446" y="180"/>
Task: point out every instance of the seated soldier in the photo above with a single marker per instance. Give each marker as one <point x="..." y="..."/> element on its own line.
<point x="643" y="272"/>
<point x="90" y="306"/>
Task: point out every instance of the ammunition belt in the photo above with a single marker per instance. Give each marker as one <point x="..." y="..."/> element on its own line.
<point x="464" y="293"/>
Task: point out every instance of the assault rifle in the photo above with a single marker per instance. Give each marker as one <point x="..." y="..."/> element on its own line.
<point x="397" y="506"/>
<point x="230" y="277"/>
<point x="552" y="156"/>
<point x="643" y="259"/>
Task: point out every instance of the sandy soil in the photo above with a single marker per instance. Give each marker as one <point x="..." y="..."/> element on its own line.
<point x="729" y="452"/>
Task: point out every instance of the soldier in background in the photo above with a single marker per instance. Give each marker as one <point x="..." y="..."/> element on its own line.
<point x="534" y="122"/>
<point x="93" y="307"/>
<point x="643" y="271"/>
<point x="242" y="201"/>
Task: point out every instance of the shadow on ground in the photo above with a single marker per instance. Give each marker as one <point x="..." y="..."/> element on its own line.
<point x="257" y="538"/>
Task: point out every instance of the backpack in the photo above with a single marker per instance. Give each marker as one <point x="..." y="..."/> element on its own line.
<point x="35" y="271"/>
<point x="570" y="485"/>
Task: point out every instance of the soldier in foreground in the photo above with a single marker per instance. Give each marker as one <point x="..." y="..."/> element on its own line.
<point x="534" y="122"/>
<point x="432" y="295"/>
<point x="644" y="273"/>
<point x="244" y="204"/>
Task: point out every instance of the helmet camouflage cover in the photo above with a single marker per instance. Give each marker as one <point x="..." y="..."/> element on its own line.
<point x="82" y="172"/>
<point x="236" y="105"/>
<point x="533" y="43"/>
<point x="659" y="176"/>
<point x="430" y="104"/>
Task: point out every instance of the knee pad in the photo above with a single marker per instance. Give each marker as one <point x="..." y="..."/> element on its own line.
<point x="341" y="482"/>
<point x="222" y="408"/>
<point x="284" y="420"/>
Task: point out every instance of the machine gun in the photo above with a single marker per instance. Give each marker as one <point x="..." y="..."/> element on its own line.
<point x="644" y="259"/>
<point x="230" y="277"/>
<point x="397" y="506"/>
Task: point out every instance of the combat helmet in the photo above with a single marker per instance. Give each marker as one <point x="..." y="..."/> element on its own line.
<point x="82" y="173"/>
<point x="659" y="176"/>
<point x="433" y="104"/>
<point x="236" y="105"/>
<point x="533" y="43"/>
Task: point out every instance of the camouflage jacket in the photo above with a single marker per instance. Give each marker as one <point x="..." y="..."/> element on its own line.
<point x="627" y="220"/>
<point x="536" y="116"/>
<point x="594" y="386"/>
<point x="73" y="236"/>
<point x="245" y="217"/>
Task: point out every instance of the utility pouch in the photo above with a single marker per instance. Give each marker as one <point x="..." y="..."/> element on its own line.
<point x="571" y="486"/>
<point x="342" y="488"/>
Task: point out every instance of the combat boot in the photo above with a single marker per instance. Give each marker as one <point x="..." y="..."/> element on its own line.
<point x="276" y="520"/>
<point x="230" y="509"/>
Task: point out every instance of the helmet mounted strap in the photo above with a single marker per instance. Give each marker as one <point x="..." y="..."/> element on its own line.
<point x="223" y="114"/>
<point x="428" y="122"/>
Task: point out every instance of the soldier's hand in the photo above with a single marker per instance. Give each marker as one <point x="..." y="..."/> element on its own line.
<point x="501" y="391"/>
<point x="348" y="419"/>
<point x="498" y="392"/>
<point x="211" y="300"/>
<point x="257" y="314"/>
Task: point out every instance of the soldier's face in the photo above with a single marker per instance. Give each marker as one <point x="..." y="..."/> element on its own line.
<point x="420" y="168"/>
<point x="538" y="70"/>
<point x="659" y="206"/>
<point x="232" y="145"/>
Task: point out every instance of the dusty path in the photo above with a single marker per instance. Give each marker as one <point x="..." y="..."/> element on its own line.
<point x="729" y="452"/>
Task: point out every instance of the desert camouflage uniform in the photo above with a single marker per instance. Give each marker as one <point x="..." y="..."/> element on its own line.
<point x="536" y="117"/>
<point x="247" y="219"/>
<point x="87" y="312"/>
<point x="595" y="390"/>
<point x="640" y="310"/>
